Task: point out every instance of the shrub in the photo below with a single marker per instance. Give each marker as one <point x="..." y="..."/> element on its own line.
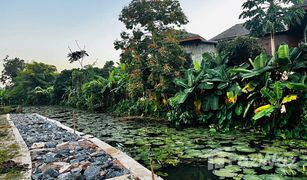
<point x="239" y="50"/>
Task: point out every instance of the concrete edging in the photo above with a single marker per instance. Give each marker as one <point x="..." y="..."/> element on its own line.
<point x="136" y="169"/>
<point x="25" y="156"/>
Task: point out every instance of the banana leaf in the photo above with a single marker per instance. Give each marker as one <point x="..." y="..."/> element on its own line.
<point x="260" y="61"/>
<point x="283" y="51"/>
<point x="266" y="112"/>
<point x="178" y="99"/>
<point x="206" y="85"/>
<point x="196" y="66"/>
<point x="296" y="86"/>
<point x="268" y="94"/>
<point x="180" y="82"/>
<point x="191" y="78"/>
<point x="278" y="90"/>
<point x="283" y="55"/>
<point x="257" y="72"/>
<point x="240" y="70"/>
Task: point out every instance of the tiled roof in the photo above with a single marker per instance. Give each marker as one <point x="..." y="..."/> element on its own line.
<point x="233" y="32"/>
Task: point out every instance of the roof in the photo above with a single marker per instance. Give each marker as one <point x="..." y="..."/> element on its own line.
<point x="191" y="37"/>
<point x="233" y="32"/>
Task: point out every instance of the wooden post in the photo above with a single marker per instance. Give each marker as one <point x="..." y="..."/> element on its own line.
<point x="151" y="163"/>
<point x="74" y="121"/>
<point x="152" y="169"/>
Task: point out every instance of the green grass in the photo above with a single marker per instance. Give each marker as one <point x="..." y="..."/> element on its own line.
<point x="12" y="174"/>
<point x="5" y="155"/>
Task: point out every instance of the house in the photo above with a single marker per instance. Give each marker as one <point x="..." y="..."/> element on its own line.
<point x="292" y="36"/>
<point x="196" y="45"/>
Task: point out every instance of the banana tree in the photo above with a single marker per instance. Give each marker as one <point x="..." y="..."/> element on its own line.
<point x="276" y="106"/>
<point x="211" y="73"/>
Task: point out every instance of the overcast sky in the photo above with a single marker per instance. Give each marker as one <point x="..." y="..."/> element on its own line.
<point x="42" y="30"/>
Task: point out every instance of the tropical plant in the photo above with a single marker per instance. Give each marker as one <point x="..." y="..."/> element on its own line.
<point x="203" y="92"/>
<point x="271" y="16"/>
<point x="40" y="96"/>
<point x="62" y="82"/>
<point x="93" y="93"/>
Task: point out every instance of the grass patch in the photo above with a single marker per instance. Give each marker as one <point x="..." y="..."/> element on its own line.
<point x="12" y="174"/>
<point x="5" y="109"/>
<point x="5" y="155"/>
<point x="13" y="147"/>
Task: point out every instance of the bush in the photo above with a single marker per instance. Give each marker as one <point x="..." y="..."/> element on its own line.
<point x="239" y="50"/>
<point x="40" y="96"/>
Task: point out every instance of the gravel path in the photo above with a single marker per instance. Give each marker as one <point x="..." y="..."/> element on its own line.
<point x="58" y="154"/>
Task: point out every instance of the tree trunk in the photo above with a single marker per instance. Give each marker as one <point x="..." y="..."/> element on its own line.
<point x="272" y="44"/>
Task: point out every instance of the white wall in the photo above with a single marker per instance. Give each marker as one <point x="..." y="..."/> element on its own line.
<point x="197" y="50"/>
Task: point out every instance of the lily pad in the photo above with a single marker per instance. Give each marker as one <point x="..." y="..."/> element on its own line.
<point x="224" y="173"/>
<point x="266" y="168"/>
<point x="286" y="171"/>
<point x="252" y="177"/>
<point x="273" y="150"/>
<point x="233" y="168"/>
<point x="258" y="157"/>
<point x="303" y="157"/>
<point x="273" y="177"/>
<point x="248" y="164"/>
<point x="218" y="161"/>
<point x="246" y="149"/>
<point x="249" y="171"/>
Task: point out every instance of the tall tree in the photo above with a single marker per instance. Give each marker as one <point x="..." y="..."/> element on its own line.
<point x="149" y="48"/>
<point x="107" y="68"/>
<point x="271" y="16"/>
<point x="11" y="69"/>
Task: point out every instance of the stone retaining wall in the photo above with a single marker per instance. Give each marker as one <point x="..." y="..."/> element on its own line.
<point x="137" y="170"/>
<point x="24" y="157"/>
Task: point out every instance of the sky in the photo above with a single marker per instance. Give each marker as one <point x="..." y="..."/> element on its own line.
<point x="42" y="30"/>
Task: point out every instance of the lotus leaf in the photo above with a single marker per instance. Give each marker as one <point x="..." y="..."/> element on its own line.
<point x="249" y="171"/>
<point x="273" y="150"/>
<point x="285" y="171"/>
<point x="272" y="177"/>
<point x="303" y="157"/>
<point x="224" y="173"/>
<point x="233" y="168"/>
<point x="238" y="177"/>
<point x="245" y="149"/>
<point x="248" y="164"/>
<point x="172" y="161"/>
<point x="252" y="177"/>
<point x="266" y="168"/>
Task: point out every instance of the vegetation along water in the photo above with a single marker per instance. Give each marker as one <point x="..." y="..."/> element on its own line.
<point x="238" y="111"/>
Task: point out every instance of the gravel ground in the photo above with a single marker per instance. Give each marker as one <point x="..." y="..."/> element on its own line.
<point x="58" y="154"/>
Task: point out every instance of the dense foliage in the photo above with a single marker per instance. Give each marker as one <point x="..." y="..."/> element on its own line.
<point x="266" y="92"/>
<point x="270" y="16"/>
<point x="150" y="48"/>
<point x="239" y="50"/>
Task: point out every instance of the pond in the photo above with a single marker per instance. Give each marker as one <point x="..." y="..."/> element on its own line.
<point x="191" y="153"/>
